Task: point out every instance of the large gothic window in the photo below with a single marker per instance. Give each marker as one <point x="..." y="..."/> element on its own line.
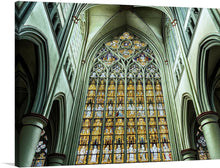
<point x="124" y="118"/>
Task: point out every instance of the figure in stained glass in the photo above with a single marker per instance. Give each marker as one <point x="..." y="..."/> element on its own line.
<point x="131" y="151"/>
<point x="82" y="154"/>
<point x="142" y="153"/>
<point x="151" y="109"/>
<point x="166" y="152"/>
<point x="160" y="109"/>
<point x="141" y="122"/>
<point x="108" y="58"/>
<point x="88" y="111"/>
<point x="110" y="110"/>
<point x="141" y="129"/>
<point x="154" y="150"/>
<point x="119" y="112"/>
<point x="119" y="130"/>
<point x="125" y="79"/>
<point x="118" y="153"/>
<point x="99" y="110"/>
<point x="106" y="153"/>
<point x="94" y="154"/>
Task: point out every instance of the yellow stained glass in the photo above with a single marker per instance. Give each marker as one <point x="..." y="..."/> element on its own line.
<point x="124" y="118"/>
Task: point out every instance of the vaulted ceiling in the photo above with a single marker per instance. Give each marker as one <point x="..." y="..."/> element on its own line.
<point x="104" y="18"/>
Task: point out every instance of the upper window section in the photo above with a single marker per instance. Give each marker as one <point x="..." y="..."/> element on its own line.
<point x="124" y="47"/>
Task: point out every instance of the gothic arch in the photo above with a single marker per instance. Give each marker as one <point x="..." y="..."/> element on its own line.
<point x="188" y="121"/>
<point x="215" y="92"/>
<point x="52" y="136"/>
<point x="150" y="69"/>
<point x="93" y="47"/>
<point x="158" y="50"/>
<point x="32" y="61"/>
<point x="192" y="133"/>
<point x="23" y="79"/>
<point x="37" y="38"/>
<point x="204" y="91"/>
<point x="56" y="124"/>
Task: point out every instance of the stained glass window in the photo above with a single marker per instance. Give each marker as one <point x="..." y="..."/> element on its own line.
<point x="201" y="145"/>
<point x="41" y="151"/>
<point x="124" y="117"/>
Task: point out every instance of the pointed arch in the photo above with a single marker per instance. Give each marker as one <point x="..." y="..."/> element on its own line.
<point x="59" y="120"/>
<point x="157" y="49"/>
<point x="188" y="121"/>
<point x="192" y="133"/>
<point x="119" y="107"/>
<point x="205" y="46"/>
<point x="52" y="136"/>
<point x="25" y="83"/>
<point x="39" y="40"/>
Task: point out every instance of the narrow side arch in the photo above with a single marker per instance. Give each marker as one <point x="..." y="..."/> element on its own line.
<point x="188" y="121"/>
<point x="56" y="125"/>
<point x="37" y="38"/>
<point x="209" y="41"/>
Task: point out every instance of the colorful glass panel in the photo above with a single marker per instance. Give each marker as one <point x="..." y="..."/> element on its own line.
<point x="143" y="59"/>
<point x="41" y="151"/>
<point x="124" y="118"/>
<point x="201" y="145"/>
<point x="126" y="46"/>
<point x="108" y="58"/>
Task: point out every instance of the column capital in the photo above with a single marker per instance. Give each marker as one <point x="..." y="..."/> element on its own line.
<point x="188" y="150"/>
<point x="55" y="159"/>
<point x="189" y="154"/>
<point x="36" y="120"/>
<point x="207" y="117"/>
<point x="56" y="155"/>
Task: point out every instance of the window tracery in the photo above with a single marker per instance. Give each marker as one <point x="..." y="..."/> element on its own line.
<point x="124" y="118"/>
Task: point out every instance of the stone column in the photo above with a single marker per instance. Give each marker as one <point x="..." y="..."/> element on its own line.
<point x="209" y="124"/>
<point x="189" y="154"/>
<point x="29" y="138"/>
<point x="55" y="159"/>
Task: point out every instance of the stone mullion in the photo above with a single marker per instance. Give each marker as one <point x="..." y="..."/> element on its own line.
<point x="158" y="130"/>
<point x="91" y="125"/>
<point x="113" y="141"/>
<point x="69" y="74"/>
<point x="103" y="122"/>
<point x="194" y="19"/>
<point x="146" y="118"/>
<point x="136" y="134"/>
<point x="191" y="28"/>
<point x="125" y="119"/>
